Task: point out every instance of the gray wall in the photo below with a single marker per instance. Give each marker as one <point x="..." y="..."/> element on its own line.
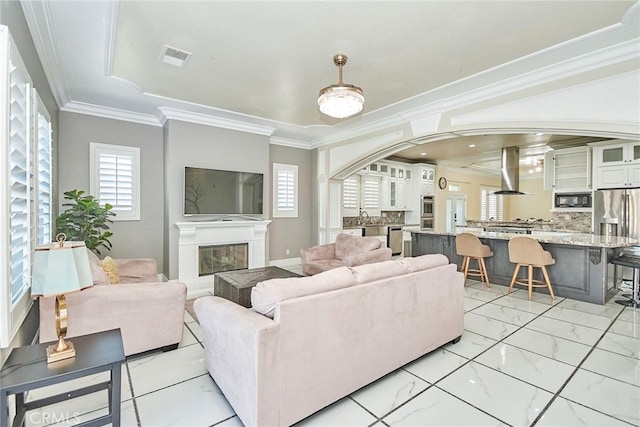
<point x="189" y="144"/>
<point x="12" y="16"/>
<point x="131" y="239"/>
<point x="292" y="233"/>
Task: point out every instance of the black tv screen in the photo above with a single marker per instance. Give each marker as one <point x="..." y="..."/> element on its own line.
<point x="221" y="192"/>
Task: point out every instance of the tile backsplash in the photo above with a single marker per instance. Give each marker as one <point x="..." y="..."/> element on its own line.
<point x="385" y="218"/>
<point x="572" y="221"/>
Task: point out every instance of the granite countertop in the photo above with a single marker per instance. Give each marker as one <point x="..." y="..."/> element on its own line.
<point x="572" y="239"/>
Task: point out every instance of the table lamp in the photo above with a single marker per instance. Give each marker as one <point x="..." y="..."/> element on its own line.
<point x="59" y="268"/>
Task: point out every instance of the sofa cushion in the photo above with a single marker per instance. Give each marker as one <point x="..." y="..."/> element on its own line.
<point x="265" y="295"/>
<point x="378" y="270"/>
<point x="424" y="262"/>
<point x="347" y="244"/>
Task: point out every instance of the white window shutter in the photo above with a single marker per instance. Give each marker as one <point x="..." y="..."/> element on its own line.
<point x="285" y="191"/>
<point x="115" y="179"/>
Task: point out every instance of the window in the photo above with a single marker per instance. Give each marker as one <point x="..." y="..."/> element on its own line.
<point x="115" y="179"/>
<point x="491" y="205"/>
<point x="285" y="191"/>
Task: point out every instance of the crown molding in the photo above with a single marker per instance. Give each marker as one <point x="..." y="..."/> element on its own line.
<point x="38" y="19"/>
<point x="354" y="132"/>
<point x="290" y="143"/>
<point x="168" y="113"/>
<point x="110" y="113"/>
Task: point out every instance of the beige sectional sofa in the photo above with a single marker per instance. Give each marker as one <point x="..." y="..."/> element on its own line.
<point x="307" y="342"/>
<point x="149" y="314"/>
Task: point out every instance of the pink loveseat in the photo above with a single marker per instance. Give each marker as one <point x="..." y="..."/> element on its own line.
<point x="149" y="313"/>
<point x="347" y="251"/>
<point x="308" y="342"/>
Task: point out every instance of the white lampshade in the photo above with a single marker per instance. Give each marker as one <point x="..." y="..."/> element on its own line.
<point x="59" y="270"/>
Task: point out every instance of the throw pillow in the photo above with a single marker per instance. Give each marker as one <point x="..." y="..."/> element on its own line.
<point x="111" y="268"/>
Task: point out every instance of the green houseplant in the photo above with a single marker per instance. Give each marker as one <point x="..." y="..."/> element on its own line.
<point x="86" y="220"/>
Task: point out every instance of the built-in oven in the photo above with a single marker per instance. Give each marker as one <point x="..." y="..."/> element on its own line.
<point x="573" y="200"/>
<point x="427" y="206"/>
<point x="427" y="211"/>
<point x="426" y="223"/>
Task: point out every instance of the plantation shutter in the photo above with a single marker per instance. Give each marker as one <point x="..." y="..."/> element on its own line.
<point x="19" y="164"/>
<point x="350" y="194"/>
<point x="285" y="190"/>
<point x="43" y="175"/>
<point x="491" y="205"/>
<point x="115" y="179"/>
<point x="371" y="193"/>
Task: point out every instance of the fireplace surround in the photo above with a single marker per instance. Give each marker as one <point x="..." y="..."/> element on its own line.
<point x="195" y="236"/>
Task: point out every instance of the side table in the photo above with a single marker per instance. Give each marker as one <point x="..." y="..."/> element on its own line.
<point x="27" y="369"/>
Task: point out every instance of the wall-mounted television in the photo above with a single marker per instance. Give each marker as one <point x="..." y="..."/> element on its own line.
<point x="222" y="192"/>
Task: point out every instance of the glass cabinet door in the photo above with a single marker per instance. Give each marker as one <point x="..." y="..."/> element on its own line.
<point x="635" y="152"/>
<point x="612" y="155"/>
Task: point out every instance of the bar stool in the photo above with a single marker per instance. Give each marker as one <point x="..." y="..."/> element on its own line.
<point x="469" y="246"/>
<point x="525" y="251"/>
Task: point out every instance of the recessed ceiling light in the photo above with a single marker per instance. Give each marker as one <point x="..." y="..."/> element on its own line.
<point x="472" y="145"/>
<point x="423" y="154"/>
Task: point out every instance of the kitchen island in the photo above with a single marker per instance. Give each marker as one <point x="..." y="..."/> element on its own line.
<point x="582" y="270"/>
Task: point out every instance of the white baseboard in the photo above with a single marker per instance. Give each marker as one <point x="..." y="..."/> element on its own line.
<point x="286" y="262"/>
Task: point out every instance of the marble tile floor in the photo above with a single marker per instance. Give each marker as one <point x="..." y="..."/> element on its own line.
<point x="519" y="363"/>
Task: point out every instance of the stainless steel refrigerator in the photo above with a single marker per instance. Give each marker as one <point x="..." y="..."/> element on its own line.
<point x="617" y="212"/>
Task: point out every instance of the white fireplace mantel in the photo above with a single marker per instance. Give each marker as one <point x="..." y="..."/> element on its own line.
<point x="194" y="234"/>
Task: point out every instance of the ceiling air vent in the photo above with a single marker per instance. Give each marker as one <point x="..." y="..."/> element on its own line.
<point x="173" y="56"/>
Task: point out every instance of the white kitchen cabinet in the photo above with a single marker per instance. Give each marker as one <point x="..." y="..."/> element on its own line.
<point x="427" y="180"/>
<point x="404" y="195"/>
<point x="617" y="164"/>
<point x="570" y="169"/>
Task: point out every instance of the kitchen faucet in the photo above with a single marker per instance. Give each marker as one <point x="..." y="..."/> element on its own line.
<point x="361" y="216"/>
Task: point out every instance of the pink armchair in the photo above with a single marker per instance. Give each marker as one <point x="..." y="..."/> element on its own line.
<point x="347" y="251"/>
<point x="149" y="313"/>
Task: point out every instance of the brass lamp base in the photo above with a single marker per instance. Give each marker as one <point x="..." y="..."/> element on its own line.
<point x="62" y="349"/>
<point x="56" y="352"/>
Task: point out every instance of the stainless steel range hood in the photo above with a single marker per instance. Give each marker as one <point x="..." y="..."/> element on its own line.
<point x="510" y="171"/>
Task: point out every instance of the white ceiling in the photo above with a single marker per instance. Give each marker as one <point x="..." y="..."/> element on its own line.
<point x="263" y="62"/>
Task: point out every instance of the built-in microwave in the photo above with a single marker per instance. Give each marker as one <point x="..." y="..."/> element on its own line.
<point x="573" y="200"/>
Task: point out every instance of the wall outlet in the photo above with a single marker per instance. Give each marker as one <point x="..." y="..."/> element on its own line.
<point x="287" y="251"/>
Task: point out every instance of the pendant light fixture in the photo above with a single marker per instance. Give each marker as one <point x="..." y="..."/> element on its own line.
<point x="341" y="100"/>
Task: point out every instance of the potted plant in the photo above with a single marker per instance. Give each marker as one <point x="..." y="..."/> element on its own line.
<point x="85" y="220"/>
